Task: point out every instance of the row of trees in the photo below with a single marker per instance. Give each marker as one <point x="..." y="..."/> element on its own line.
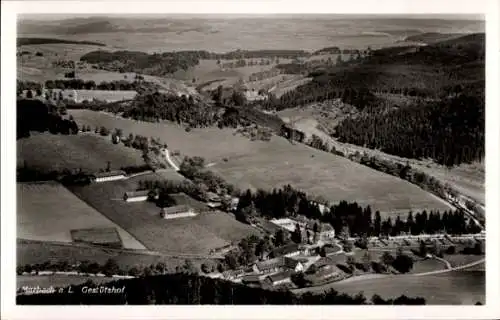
<point x="182" y="288"/>
<point x="132" y="61"/>
<point x="79" y="84"/>
<point x="451" y="132"/>
<point x="109" y="268"/>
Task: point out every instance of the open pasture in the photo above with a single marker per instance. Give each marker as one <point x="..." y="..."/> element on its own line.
<point x="467" y="179"/>
<point x="40" y="68"/>
<point x="448" y="288"/>
<point x="48" y="212"/>
<point x="259" y="164"/>
<point x="86" y="151"/>
<point x="192" y="235"/>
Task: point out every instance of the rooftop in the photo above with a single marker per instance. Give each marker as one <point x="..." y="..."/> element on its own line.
<point x="272" y="263"/>
<point x="280" y="276"/>
<point x="251" y="278"/>
<point x="109" y="174"/>
<point x="289" y="248"/>
<point x="176" y="209"/>
<point x="139" y="193"/>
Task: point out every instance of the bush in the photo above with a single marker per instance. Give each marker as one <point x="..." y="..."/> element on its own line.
<point x="403" y="263"/>
<point x="451" y="250"/>
<point x="103" y="131"/>
<point x="134" y="272"/>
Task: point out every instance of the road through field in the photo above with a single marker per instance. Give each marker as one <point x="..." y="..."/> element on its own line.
<point x="367" y="277"/>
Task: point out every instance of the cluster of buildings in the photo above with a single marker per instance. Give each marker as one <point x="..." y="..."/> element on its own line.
<point x="325" y="230"/>
<point x="284" y="263"/>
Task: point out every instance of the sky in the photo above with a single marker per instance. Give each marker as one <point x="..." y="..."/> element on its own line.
<point x="233" y="16"/>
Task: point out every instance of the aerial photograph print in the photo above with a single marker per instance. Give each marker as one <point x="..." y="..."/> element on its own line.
<point x="226" y="159"/>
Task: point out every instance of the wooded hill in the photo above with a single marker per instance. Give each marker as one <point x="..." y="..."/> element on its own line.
<point x="428" y="71"/>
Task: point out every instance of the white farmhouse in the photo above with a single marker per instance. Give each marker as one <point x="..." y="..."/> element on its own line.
<point x="109" y="176"/>
<point x="136" y="196"/>
<point x="179" y="211"/>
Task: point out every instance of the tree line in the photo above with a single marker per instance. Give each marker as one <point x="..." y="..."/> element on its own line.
<point x="34" y="115"/>
<point x="451" y="131"/>
<point x="79" y="84"/>
<point x="109" y="268"/>
<point x="188" y="289"/>
<point x="348" y="218"/>
<point x="133" y="61"/>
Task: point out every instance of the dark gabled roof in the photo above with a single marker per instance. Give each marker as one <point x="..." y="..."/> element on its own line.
<point x="289" y="248"/>
<point x="292" y="263"/>
<point x="109" y="174"/>
<point x="140" y="193"/>
<point x="272" y="263"/>
<point x="251" y="278"/>
<point x="280" y="276"/>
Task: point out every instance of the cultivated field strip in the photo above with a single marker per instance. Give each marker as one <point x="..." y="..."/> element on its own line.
<point x="48" y="212"/>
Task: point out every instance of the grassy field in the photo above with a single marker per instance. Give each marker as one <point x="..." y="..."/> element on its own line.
<point x="193" y="235"/>
<point x="447" y="288"/>
<point x="258" y="164"/>
<point x="38" y="252"/>
<point x="468" y="179"/>
<point x="461" y="259"/>
<point x="86" y="151"/>
<point x="48" y="211"/>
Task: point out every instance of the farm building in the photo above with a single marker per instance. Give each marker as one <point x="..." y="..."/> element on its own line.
<point x="179" y="211"/>
<point x="109" y="176"/>
<point x="136" y="196"/>
<point x="269" y="266"/>
<point x="296" y="265"/>
<point x="280" y="278"/>
<point x="326" y="231"/>
<point x="289" y="250"/>
<point x="285" y="223"/>
<point x="213" y="200"/>
<point x="232" y="274"/>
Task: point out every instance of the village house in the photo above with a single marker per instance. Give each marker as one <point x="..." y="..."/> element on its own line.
<point x="269" y="266"/>
<point x="179" y="211"/>
<point x="289" y="250"/>
<point x="285" y="223"/>
<point x="293" y="264"/>
<point x="136" y="196"/>
<point x="213" y="200"/>
<point x="327" y="231"/>
<point x="280" y="278"/>
<point x="109" y="176"/>
<point x="233" y="275"/>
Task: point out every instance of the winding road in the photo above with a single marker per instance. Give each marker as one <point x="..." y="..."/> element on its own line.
<point x="170" y="161"/>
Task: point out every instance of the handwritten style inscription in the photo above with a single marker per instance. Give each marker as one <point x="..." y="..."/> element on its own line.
<point x="69" y="290"/>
